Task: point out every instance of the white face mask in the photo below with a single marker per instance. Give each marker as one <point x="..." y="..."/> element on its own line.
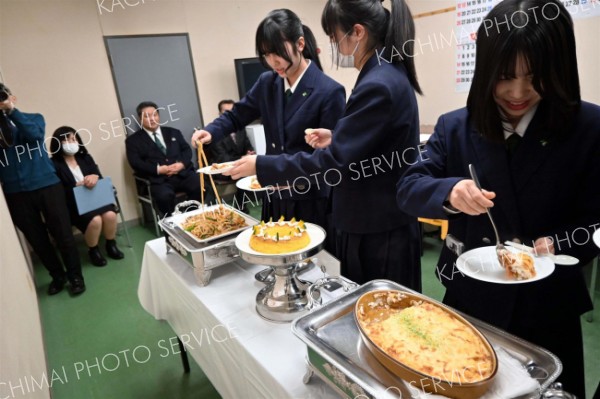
<point x="70" y="148"/>
<point x="346" y="61"/>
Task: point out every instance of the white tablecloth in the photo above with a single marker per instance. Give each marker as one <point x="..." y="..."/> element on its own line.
<point x="243" y="355"/>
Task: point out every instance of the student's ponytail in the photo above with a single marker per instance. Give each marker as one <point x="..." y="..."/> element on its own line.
<point x="311" y="51"/>
<point x="392" y="33"/>
<point x="400" y="35"/>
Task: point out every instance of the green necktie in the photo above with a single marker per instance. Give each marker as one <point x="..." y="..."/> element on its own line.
<point x="512" y="142"/>
<point x="159" y="144"/>
<point x="288" y="94"/>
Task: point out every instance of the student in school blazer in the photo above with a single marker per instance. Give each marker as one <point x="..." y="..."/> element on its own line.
<point x="371" y="142"/>
<point x="145" y="156"/>
<point x="318" y="101"/>
<point x="549" y="187"/>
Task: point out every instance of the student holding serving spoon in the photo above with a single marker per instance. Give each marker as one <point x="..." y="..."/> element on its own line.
<point x="535" y="146"/>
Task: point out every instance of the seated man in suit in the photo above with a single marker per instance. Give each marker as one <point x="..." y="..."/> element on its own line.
<point x="232" y="147"/>
<point x="161" y="155"/>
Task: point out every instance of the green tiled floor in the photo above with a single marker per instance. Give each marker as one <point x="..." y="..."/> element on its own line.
<point x="106" y="329"/>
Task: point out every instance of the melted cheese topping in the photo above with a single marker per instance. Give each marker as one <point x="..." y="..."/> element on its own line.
<point x="428" y="339"/>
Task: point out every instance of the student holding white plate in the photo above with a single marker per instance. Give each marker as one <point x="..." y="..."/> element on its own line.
<point x="535" y="146"/>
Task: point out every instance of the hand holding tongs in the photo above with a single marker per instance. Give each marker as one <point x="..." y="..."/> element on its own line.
<point x="500" y="248"/>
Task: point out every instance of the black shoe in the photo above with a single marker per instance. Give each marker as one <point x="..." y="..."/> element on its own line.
<point x="112" y="250"/>
<point x="77" y="286"/>
<point x="96" y="257"/>
<point x="56" y="286"/>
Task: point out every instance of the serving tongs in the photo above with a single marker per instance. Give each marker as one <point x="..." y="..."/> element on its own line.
<point x="500" y="248"/>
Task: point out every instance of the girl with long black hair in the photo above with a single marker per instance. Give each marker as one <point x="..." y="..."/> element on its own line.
<point x="535" y="146"/>
<point x="295" y="96"/>
<point x="366" y="154"/>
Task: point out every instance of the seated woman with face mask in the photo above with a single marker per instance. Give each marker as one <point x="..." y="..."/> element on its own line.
<point x="75" y="167"/>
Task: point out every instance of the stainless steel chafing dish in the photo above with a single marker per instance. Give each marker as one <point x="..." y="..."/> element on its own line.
<point x="202" y="255"/>
<point x="337" y="355"/>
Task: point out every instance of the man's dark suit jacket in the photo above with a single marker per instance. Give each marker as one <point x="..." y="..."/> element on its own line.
<point x="144" y="155"/>
<point x="227" y="150"/>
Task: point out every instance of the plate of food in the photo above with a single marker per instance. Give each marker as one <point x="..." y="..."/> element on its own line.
<point x="518" y="267"/>
<point x="211" y="223"/>
<point x="280" y="238"/>
<point x="250" y="183"/>
<point x="216" y="168"/>
<point x="418" y="339"/>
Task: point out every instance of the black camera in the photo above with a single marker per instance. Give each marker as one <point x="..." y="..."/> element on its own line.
<point x="7" y="128"/>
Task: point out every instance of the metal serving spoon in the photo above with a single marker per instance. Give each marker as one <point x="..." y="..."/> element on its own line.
<point x="500" y="248"/>
<point x="560" y="259"/>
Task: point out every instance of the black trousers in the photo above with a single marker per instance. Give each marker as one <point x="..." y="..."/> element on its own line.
<point x="26" y="210"/>
<point x="393" y="255"/>
<point x="164" y="193"/>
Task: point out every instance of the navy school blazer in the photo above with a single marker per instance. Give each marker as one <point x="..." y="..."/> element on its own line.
<point x="144" y="155"/>
<point x="379" y="129"/>
<point x="550" y="187"/>
<point x="318" y="101"/>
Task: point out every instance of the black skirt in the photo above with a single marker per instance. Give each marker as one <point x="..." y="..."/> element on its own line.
<point x="82" y="221"/>
<point x="393" y="255"/>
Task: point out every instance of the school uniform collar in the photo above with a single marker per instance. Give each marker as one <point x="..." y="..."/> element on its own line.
<point x="522" y="125"/>
<point x="286" y="84"/>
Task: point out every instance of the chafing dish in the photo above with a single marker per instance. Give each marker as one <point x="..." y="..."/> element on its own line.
<point x="285" y="297"/>
<point x="337" y="354"/>
<point x="202" y="255"/>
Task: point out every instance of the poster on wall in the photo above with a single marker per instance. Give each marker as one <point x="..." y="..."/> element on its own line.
<point x="470" y="14"/>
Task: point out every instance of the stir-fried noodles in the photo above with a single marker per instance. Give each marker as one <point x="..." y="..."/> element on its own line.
<point x="212" y="223"/>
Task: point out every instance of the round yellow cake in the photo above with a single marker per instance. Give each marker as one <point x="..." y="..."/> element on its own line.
<point x="279" y="237"/>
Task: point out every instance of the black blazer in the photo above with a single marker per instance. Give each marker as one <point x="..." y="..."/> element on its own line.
<point x="88" y="167"/>
<point x="318" y="101"/>
<point x="227" y="150"/>
<point x="550" y="187"/>
<point x="144" y="155"/>
<point x="376" y="136"/>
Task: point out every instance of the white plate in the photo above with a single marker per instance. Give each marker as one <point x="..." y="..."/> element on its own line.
<point x="207" y="170"/>
<point x="596" y="238"/>
<point x="482" y="264"/>
<point x="178" y="219"/>
<point x="244" y="184"/>
<point x="316" y="234"/>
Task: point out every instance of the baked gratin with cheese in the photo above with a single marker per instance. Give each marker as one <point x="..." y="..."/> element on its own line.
<point x="426" y="338"/>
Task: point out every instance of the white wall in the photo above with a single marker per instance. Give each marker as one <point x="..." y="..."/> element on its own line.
<point x="22" y="355"/>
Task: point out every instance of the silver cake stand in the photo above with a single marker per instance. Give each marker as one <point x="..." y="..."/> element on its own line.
<point x="285" y="297"/>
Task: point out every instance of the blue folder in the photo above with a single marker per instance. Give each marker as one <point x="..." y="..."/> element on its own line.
<point x="100" y="195"/>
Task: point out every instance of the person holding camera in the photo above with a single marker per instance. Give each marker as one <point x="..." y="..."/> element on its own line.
<point x="33" y="191"/>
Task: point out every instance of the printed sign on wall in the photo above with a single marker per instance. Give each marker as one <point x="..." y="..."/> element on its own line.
<point x="469" y="16"/>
